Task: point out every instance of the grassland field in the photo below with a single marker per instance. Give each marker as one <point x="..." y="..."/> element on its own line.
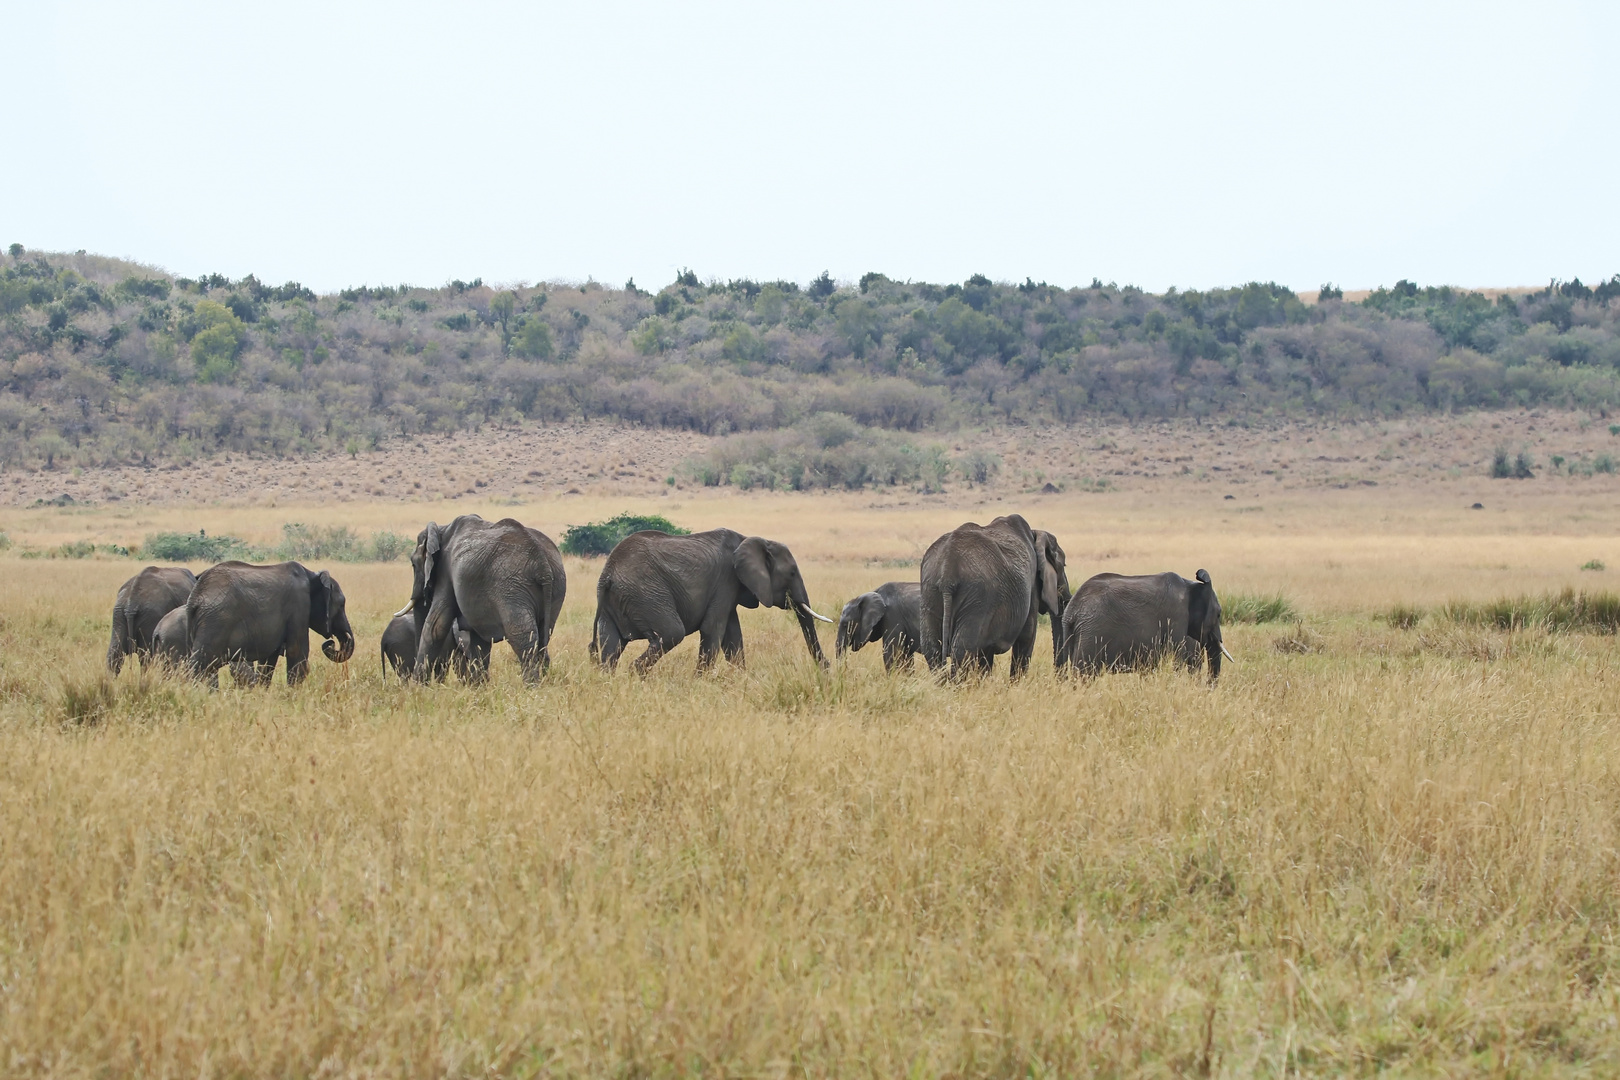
<point x="1368" y="849"/>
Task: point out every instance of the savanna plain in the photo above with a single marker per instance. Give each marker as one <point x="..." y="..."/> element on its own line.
<point x="1378" y="844"/>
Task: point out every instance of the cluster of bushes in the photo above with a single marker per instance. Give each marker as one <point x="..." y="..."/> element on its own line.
<point x="103" y="360"/>
<point x="304" y="543"/>
<point x="1567" y="611"/>
<point x="600" y="537"/>
<point x="829" y="450"/>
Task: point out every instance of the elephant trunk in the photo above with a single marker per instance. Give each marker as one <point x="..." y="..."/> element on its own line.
<point x="340" y="651"/>
<point x="807" y="619"/>
<point x="846" y="631"/>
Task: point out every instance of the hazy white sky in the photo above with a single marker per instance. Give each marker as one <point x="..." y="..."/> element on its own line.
<point x="1188" y="144"/>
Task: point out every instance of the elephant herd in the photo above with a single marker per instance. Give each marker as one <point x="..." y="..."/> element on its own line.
<point x="474" y="583"/>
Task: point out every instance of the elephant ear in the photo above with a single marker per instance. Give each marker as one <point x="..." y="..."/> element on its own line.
<point x="320" y="604"/>
<point x="753" y="565"/>
<point x="1054" y="582"/>
<point x="1203" y="609"/>
<point x="430" y="548"/>
<point x="873" y="608"/>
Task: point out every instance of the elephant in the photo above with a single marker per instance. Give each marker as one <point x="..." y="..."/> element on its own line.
<point x="1117" y="623"/>
<point x="660" y="588"/>
<point x="399" y="646"/>
<point x="142" y="603"/>
<point x="170" y="648"/>
<point x="240" y="613"/>
<point x="169" y="641"/>
<point x="891" y="613"/>
<point x="499" y="580"/>
<point x="984" y="588"/>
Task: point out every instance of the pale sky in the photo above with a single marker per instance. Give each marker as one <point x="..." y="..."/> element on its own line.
<point x="1187" y="144"/>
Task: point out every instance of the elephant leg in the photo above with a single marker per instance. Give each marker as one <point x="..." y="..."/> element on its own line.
<point x="608" y="643"/>
<point x="731" y="642"/>
<point x="526" y="644"/>
<point x="434" y="646"/>
<point x="898" y="651"/>
<point x="1024" y="644"/>
<point x="655" y="650"/>
<point x="472" y="661"/>
<point x="297" y="653"/>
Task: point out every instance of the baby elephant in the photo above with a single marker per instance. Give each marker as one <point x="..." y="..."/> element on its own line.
<point x="892" y="613"/>
<point x="170" y="648"/>
<point x="399" y="649"/>
<point x="1119" y="623"/>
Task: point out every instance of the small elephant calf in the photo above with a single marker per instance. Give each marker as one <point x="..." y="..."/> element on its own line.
<point x="399" y="649"/>
<point x="891" y="613"/>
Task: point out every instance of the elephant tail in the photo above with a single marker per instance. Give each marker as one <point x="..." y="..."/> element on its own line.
<point x="947" y="622"/>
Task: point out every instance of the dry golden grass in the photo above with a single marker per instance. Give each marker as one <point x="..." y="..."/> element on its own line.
<point x="1394" y="850"/>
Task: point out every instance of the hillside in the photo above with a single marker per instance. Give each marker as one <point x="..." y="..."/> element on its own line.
<point x="106" y="362"/>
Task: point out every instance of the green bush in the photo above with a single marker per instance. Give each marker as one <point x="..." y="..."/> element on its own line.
<point x="599" y="538"/>
<point x="1567" y="611"/>
<point x="192" y="547"/>
<point x="338" y="543"/>
<point x="1253" y="608"/>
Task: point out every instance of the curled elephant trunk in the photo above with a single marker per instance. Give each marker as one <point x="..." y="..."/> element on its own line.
<point x="342" y="648"/>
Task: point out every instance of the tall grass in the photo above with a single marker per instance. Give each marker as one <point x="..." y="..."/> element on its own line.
<point x="1257" y="608"/>
<point x="1371" y="856"/>
<point x="1568" y="610"/>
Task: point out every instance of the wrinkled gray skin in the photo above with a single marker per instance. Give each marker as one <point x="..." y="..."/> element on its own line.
<point x="171" y="649"/>
<point x="499" y="580"/>
<point x="142" y="602"/>
<point x="892" y="614"/>
<point x="659" y="589"/>
<point x="984" y="588"/>
<point x="256" y="614"/>
<point x="1117" y="623"/>
<point x="399" y="648"/>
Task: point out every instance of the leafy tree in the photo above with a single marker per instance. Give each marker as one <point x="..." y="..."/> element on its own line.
<point x="652" y="336"/>
<point x="501" y="307"/>
<point x="823" y="286"/>
<point x="217" y="344"/>
<point x="743" y="346"/>
<point x="534" y="339"/>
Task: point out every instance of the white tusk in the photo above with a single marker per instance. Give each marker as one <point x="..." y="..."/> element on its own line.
<point x="1226" y="654"/>
<point x="808" y="610"/>
<point x="406" y="610"/>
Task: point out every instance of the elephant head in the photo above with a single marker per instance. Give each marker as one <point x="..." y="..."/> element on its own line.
<point x="1204" y="620"/>
<point x="329" y="618"/>
<point x="858" y="625"/>
<point x="767" y="570"/>
<point x="1054" y="587"/>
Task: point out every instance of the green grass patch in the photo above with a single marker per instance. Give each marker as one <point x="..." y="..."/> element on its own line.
<point x="1568" y="611"/>
<point x="304" y="543"/>
<point x="1255" y="608"/>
